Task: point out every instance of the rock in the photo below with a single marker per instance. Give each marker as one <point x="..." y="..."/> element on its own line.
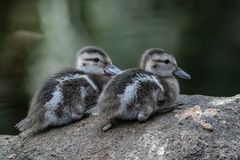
<point x="206" y="126"/>
<point x="12" y="156"/>
<point x="180" y="134"/>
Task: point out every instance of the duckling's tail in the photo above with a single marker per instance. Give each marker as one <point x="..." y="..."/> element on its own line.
<point x="24" y="124"/>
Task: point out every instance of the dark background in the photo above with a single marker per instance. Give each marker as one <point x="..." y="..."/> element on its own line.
<point x="40" y="37"/>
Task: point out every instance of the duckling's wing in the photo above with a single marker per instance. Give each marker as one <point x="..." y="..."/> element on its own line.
<point x="117" y="90"/>
<point x="43" y="95"/>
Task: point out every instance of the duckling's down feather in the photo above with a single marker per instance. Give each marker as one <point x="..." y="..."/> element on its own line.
<point x="64" y="97"/>
<point x="132" y="89"/>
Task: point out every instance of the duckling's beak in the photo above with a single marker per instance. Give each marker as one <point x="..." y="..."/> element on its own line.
<point x="113" y="70"/>
<point x="181" y="74"/>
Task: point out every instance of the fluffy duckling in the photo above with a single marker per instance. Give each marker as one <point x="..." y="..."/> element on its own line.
<point x="69" y="94"/>
<point x="136" y="94"/>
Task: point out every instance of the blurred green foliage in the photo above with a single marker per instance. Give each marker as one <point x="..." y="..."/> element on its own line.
<point x="40" y="37"/>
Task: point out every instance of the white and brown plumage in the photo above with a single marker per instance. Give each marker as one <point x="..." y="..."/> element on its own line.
<point x="136" y="94"/>
<point x="67" y="95"/>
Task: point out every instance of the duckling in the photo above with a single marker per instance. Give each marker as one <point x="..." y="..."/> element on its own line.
<point x="67" y="96"/>
<point x="136" y="94"/>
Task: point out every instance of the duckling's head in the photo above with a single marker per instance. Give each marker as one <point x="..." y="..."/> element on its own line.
<point x="95" y="60"/>
<point x="159" y="62"/>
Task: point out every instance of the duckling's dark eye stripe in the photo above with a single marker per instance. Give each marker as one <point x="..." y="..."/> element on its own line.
<point x="156" y="60"/>
<point x="92" y="59"/>
<point x="88" y="59"/>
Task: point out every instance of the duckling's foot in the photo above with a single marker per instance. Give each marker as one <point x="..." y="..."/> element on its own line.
<point x="107" y="127"/>
<point x="142" y="117"/>
<point x="110" y="123"/>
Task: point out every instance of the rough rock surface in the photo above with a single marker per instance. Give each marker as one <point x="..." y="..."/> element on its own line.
<point x="199" y="128"/>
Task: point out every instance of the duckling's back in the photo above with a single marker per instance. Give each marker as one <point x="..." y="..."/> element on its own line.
<point x="129" y="92"/>
<point x="63" y="98"/>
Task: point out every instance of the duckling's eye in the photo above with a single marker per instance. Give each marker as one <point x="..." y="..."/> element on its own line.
<point x="154" y="66"/>
<point x="96" y="60"/>
<point x="167" y="61"/>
